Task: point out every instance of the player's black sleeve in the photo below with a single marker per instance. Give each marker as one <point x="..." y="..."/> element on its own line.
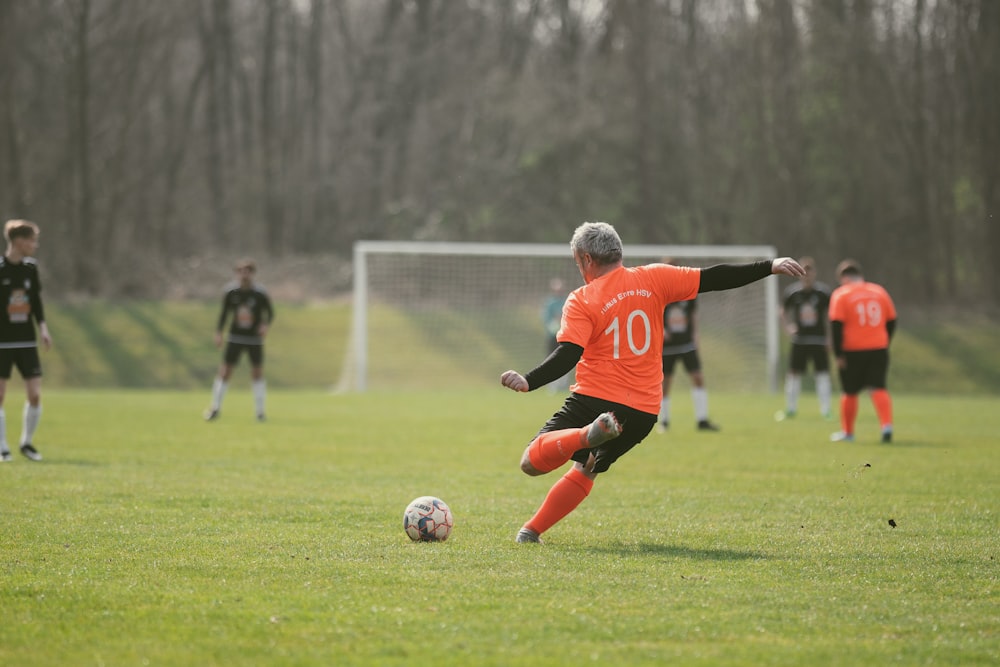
<point x="562" y="360"/>
<point x="730" y="276"/>
<point x="268" y="309"/>
<point x="37" y="310"/>
<point x="225" y="311"/>
<point x="837" y="335"/>
<point x="890" y="328"/>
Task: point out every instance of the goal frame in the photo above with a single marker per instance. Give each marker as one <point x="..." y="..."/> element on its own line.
<point x="357" y="349"/>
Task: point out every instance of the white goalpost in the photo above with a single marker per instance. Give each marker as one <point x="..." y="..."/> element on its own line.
<point x="448" y="315"/>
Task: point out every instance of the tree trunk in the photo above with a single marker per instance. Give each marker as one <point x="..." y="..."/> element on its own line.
<point x="989" y="138"/>
<point x="270" y="151"/>
<point x="13" y="197"/>
<point x="85" y="274"/>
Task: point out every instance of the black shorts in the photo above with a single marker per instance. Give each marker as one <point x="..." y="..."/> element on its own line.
<point x="579" y="411"/>
<point x="25" y="358"/>
<point x="867" y="368"/>
<point x="234" y="350"/>
<point x="803" y="354"/>
<point x="691" y="360"/>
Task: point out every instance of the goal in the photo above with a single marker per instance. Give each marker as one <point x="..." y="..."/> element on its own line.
<point x="456" y="315"/>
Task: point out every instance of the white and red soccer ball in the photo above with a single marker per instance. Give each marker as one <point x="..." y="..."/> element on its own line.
<point x="428" y="519"/>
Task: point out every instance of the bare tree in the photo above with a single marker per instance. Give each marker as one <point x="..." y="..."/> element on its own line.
<point x="11" y="168"/>
<point x="834" y="127"/>
<point x="987" y="133"/>
<point x="83" y="223"/>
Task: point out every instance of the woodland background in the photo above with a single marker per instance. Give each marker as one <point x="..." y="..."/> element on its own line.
<point x="145" y="136"/>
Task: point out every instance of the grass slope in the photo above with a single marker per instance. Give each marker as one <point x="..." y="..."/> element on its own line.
<point x="168" y="345"/>
<point x="150" y="537"/>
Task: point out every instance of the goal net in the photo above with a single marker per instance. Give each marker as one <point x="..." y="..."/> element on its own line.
<point x="454" y="315"/>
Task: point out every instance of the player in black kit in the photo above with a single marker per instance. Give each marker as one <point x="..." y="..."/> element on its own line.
<point x="804" y="314"/>
<point x="252" y="314"/>
<point x="21" y="291"/>
<point x="680" y="343"/>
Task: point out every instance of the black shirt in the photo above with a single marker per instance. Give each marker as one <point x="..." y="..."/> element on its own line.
<point x="807" y="308"/>
<point x="678" y="327"/>
<point x="21" y="297"/>
<point x="250" y="308"/>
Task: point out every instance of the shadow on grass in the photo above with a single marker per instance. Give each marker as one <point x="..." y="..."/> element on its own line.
<point x="679" y="551"/>
<point x="125" y="369"/>
<point x="961" y="345"/>
<point x="179" y="351"/>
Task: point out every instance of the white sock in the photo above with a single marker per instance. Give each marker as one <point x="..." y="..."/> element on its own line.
<point x="665" y="409"/>
<point x="793" y="387"/>
<point x="3" y="431"/>
<point x="32" y="413"/>
<point x="218" y="392"/>
<point x="823" y="392"/>
<point x="259" y="394"/>
<point x="700" y="397"/>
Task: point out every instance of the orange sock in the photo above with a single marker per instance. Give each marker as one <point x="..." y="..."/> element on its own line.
<point x="563" y="498"/>
<point x="550" y="450"/>
<point x="848" y="412"/>
<point x="883" y="406"/>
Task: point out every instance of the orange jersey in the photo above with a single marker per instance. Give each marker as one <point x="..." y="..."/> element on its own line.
<point x="618" y="321"/>
<point x="863" y="308"/>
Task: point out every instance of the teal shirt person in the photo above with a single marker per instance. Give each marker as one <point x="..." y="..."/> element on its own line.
<point x="552" y="312"/>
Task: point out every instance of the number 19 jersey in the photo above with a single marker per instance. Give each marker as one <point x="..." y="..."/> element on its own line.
<point x="618" y="321"/>
<point x="863" y="308"/>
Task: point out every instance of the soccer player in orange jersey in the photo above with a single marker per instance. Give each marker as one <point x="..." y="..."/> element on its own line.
<point x="612" y="333"/>
<point x="862" y="322"/>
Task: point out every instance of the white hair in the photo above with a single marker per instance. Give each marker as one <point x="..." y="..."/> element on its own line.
<point x="599" y="240"/>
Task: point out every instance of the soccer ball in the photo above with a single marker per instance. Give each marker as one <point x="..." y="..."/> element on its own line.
<point x="428" y="519"/>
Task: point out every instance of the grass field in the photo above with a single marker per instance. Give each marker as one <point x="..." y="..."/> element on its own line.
<point x="147" y="536"/>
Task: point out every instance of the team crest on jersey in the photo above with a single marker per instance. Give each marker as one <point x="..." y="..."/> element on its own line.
<point x="809" y="314"/>
<point x="18" y="306"/>
<point x="677" y="318"/>
<point x="244" y="316"/>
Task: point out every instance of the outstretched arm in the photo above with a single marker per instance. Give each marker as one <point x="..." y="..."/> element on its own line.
<point x="730" y="276"/>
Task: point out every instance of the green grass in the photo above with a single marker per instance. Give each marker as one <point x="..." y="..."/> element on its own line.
<point x="149" y="537"/>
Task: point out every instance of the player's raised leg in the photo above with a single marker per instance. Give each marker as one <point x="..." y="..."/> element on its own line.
<point x="552" y="449"/>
